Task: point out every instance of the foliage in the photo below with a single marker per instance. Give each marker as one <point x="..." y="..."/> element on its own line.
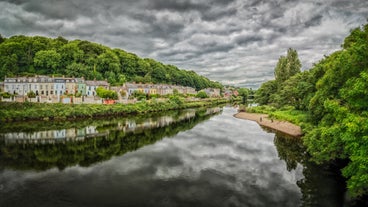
<point x="38" y="111"/>
<point x="244" y="93"/>
<point x="5" y="95"/>
<point x="265" y="92"/>
<point x="31" y="94"/>
<point x="333" y="98"/>
<point x="287" y="66"/>
<point x="108" y="94"/>
<point x="202" y="94"/>
<point x="88" y="151"/>
<point x="139" y="95"/>
<point x="45" y="56"/>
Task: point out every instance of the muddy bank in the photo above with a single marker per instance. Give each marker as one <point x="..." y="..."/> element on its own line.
<point x="263" y="120"/>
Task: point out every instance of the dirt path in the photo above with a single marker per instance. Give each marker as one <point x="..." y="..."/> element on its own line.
<point x="263" y="120"/>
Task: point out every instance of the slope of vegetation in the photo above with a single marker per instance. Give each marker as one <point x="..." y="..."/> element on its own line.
<point x="45" y="111"/>
<point x="334" y="97"/>
<point x="22" y="55"/>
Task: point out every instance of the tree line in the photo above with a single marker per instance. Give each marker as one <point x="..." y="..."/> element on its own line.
<point x="24" y="55"/>
<point x="334" y="94"/>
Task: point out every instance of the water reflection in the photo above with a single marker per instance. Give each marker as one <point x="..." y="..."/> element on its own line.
<point x="322" y="185"/>
<point x="94" y="142"/>
<point x="220" y="161"/>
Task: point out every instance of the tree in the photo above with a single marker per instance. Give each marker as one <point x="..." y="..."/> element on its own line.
<point x="339" y="110"/>
<point x="202" y="94"/>
<point x="48" y="60"/>
<point x="244" y="92"/>
<point x="31" y="95"/>
<point x="70" y="53"/>
<point x="263" y="94"/>
<point x="107" y="94"/>
<point x="78" y="70"/>
<point x="108" y="62"/>
<point x="2" y="39"/>
<point x="287" y="66"/>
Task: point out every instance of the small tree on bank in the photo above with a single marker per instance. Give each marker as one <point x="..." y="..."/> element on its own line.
<point x="106" y="94"/>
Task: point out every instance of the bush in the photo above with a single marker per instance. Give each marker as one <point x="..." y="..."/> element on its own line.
<point x="202" y="94"/>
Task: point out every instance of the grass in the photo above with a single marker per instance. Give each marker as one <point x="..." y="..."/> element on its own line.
<point x="46" y="111"/>
<point x="286" y="113"/>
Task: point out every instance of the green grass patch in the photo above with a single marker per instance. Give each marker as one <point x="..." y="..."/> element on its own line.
<point x="286" y="114"/>
<point x="46" y="111"/>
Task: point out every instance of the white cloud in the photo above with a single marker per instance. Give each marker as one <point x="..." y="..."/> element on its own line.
<point x="230" y="41"/>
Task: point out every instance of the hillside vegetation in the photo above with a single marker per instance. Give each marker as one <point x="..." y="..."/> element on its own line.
<point x="332" y="100"/>
<point x="23" y="55"/>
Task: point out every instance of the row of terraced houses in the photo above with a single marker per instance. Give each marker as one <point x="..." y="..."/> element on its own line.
<point x="50" y="89"/>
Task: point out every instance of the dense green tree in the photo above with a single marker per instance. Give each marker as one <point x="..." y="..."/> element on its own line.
<point x="48" y="60"/>
<point x="334" y="93"/>
<point x="202" y="94"/>
<point x="2" y="39"/>
<point x="287" y="66"/>
<point x="107" y="94"/>
<point x="70" y="53"/>
<point x="244" y="93"/>
<point x="22" y="55"/>
<point x="78" y="70"/>
<point x="264" y="93"/>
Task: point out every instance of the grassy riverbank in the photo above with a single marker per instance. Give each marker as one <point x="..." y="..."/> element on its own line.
<point x="289" y="114"/>
<point x="43" y="111"/>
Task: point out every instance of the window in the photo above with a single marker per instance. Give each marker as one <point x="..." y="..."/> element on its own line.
<point x="51" y="92"/>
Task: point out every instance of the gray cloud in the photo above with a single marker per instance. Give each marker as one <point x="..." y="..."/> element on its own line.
<point x="233" y="41"/>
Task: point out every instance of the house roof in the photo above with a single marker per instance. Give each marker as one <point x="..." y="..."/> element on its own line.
<point x="97" y="83"/>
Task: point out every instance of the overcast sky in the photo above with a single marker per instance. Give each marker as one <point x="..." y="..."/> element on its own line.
<point x="236" y="42"/>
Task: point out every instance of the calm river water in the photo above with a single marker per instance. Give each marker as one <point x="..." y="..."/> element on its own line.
<point x="190" y="158"/>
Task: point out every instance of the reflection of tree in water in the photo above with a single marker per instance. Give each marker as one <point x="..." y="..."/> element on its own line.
<point x="93" y="150"/>
<point x="290" y="149"/>
<point x="322" y="185"/>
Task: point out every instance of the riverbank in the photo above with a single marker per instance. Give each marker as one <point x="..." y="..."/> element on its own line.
<point x="263" y="120"/>
<point x="10" y="112"/>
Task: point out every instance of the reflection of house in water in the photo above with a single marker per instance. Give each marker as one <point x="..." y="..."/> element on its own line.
<point x="91" y="130"/>
<point x="60" y="134"/>
<point x="165" y="120"/>
<point x="80" y="134"/>
<point x="213" y="110"/>
<point x="70" y="133"/>
<point x="131" y="125"/>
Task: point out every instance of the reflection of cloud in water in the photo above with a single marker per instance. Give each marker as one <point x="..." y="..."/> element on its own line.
<point x="221" y="162"/>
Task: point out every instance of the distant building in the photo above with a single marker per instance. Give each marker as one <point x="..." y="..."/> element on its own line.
<point x="80" y="86"/>
<point x="212" y="92"/>
<point x="70" y="86"/>
<point x="59" y="85"/>
<point x="91" y="86"/>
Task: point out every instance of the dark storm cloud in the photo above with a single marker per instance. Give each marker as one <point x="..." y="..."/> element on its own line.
<point x="232" y="41"/>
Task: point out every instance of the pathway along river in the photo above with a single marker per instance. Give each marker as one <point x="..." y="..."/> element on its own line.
<point x="189" y="158"/>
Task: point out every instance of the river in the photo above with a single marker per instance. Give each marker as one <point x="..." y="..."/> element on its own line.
<point x="189" y="158"/>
